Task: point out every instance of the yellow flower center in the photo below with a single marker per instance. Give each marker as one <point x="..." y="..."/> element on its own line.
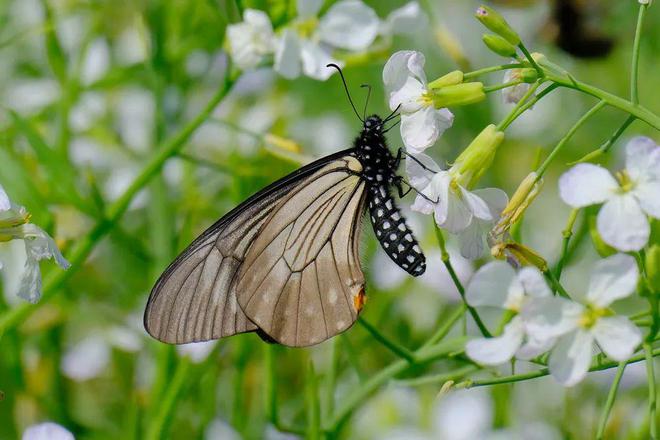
<point x="626" y="184"/>
<point x="426" y="99"/>
<point x="591" y="315"/>
<point x="306" y="28"/>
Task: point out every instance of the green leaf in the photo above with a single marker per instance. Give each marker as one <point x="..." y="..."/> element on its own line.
<point x="55" y="54"/>
<point x="20" y="186"/>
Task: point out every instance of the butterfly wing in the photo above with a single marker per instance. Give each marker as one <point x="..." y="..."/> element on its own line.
<point x="301" y="280"/>
<point x="195" y="298"/>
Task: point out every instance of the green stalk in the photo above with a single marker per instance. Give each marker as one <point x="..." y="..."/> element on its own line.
<point x="332" y="379"/>
<point x="634" y="70"/>
<point x="395" y="348"/>
<point x="605" y="147"/>
<point x="544" y="166"/>
<point x="438" y="378"/>
<point x="84" y="247"/>
<point x="313" y="405"/>
<point x="446" y="260"/>
<point x="479" y="72"/>
<point x="567" y="233"/>
<point x="649" y="353"/>
<point x="611" y="396"/>
<point x="445" y="329"/>
<point x="545" y="372"/>
<point x="489" y="89"/>
<point x="531" y="60"/>
<point x="167" y="404"/>
<point x="517" y="110"/>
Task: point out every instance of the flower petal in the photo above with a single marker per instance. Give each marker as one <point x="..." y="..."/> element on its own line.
<point x="533" y="282"/>
<point x="30" y="282"/>
<point x="308" y="8"/>
<point x="457" y="214"/>
<point x="251" y="39"/>
<point x="491" y="285"/>
<point x="5" y="204"/>
<point x="586" y="184"/>
<point x="39" y="245"/>
<point x="288" y="55"/>
<point x="315" y="60"/>
<point x="400" y="66"/>
<point x="476" y="205"/>
<point x="532" y="348"/>
<point x="47" y="431"/>
<point x="349" y="24"/>
<point x="496" y="351"/>
<point x="643" y="159"/>
<point x="612" y="278"/>
<point x="495" y="198"/>
<point x="407" y="19"/>
<point x="419" y="130"/>
<point x="550" y="316"/>
<point x="622" y="223"/>
<point x="617" y="336"/>
<point x="648" y="195"/>
<point x="570" y="359"/>
<point x="473" y="239"/>
<point x="423" y="205"/>
<point x="418" y="176"/>
<point x="409" y="96"/>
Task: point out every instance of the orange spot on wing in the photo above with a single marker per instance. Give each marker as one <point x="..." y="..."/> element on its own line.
<point x="359" y="300"/>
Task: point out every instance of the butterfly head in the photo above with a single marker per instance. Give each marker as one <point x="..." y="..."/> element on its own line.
<point x="372" y="124"/>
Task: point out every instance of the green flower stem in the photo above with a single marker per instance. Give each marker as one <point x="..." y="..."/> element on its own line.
<point x="612" y="100"/>
<point x="446" y="328"/>
<point x="605" y="147"/>
<point x="544" y="166"/>
<point x="167" y="404"/>
<point x="545" y="372"/>
<point x="649" y="353"/>
<point x="84" y="247"/>
<point x="423" y="355"/>
<point x="634" y="65"/>
<point x="531" y="59"/>
<point x="438" y="378"/>
<point x="567" y="233"/>
<point x="485" y="70"/>
<point x="395" y="348"/>
<point x="520" y="107"/>
<point x="489" y="89"/>
<point x="556" y="285"/>
<point x="446" y="260"/>
<point x="611" y="396"/>
<point x="313" y="405"/>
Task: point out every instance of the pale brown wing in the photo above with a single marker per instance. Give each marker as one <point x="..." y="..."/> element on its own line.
<point x="195" y="298"/>
<point x="301" y="280"/>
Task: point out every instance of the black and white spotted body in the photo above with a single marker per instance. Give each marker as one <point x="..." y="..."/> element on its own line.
<point x="379" y="171"/>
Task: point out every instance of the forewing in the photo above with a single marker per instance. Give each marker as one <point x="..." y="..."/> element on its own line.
<point x="301" y="280"/>
<point x="195" y="298"/>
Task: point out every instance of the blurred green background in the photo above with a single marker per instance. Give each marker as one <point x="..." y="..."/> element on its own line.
<point x="90" y="89"/>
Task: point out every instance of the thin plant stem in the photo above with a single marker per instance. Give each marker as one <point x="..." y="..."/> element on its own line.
<point x="446" y="328"/>
<point x="531" y="59"/>
<point x="567" y="233"/>
<point x="489" y="89"/>
<point x="270" y="397"/>
<point x="649" y="353"/>
<point x="446" y="260"/>
<point x="84" y="246"/>
<point x="485" y="70"/>
<point x="634" y="69"/>
<point x="515" y="112"/>
<point x="545" y="372"/>
<point x="167" y="404"/>
<point x="562" y="142"/>
<point x="438" y="378"/>
<point x="395" y="348"/>
<point x="609" y="403"/>
<point x="556" y="285"/>
<point x="605" y="147"/>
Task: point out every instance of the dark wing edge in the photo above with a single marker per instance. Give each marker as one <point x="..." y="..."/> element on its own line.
<point x="194" y="299"/>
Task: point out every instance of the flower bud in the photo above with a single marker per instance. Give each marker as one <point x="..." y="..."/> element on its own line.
<point x="520" y="254"/>
<point x="525" y="194"/>
<point x="458" y="94"/>
<point x="653" y="266"/>
<point x="528" y="75"/>
<point x="499" y="45"/>
<point x="496" y="23"/>
<point x="477" y="157"/>
<point x="450" y="79"/>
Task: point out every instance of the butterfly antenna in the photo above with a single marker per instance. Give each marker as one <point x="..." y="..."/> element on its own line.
<point x="346" y="88"/>
<point x="393" y="114"/>
<point x="392" y="126"/>
<point x="366" y="103"/>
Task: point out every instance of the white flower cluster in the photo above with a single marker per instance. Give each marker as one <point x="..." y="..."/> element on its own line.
<point x="306" y="44"/>
<point x="24" y="280"/>
<point x="542" y="322"/>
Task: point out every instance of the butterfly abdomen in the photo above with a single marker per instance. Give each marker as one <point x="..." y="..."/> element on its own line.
<point x="392" y="232"/>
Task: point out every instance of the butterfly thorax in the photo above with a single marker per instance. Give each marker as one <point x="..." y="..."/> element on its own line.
<point x="379" y="170"/>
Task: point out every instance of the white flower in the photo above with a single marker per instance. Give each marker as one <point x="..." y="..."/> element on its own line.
<point x="47" y="431"/>
<point x="38" y="246"/>
<point x="459" y="211"/>
<point x="513" y="94"/>
<point x="622" y="221"/>
<point x="580" y="326"/>
<point x="497" y="284"/>
<point x="405" y="81"/>
<point x="251" y="40"/>
<point x="407" y="19"/>
<point x="196" y="351"/>
<point x="306" y="45"/>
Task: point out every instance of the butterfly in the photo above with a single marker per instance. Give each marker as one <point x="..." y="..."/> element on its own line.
<point x="285" y="263"/>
